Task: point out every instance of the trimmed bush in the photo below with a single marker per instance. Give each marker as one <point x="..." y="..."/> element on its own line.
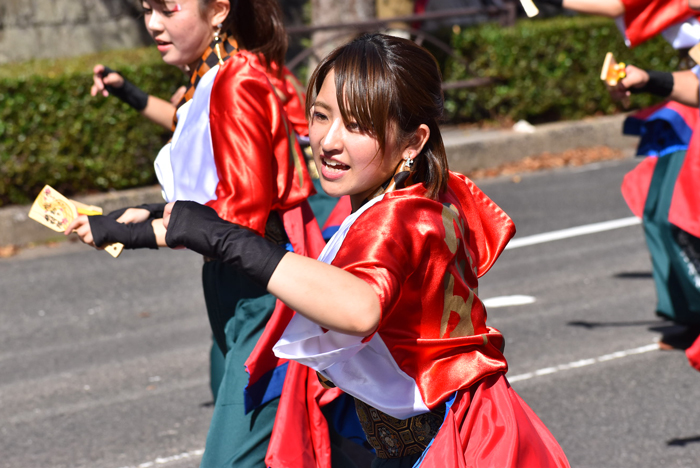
<point x="544" y="70"/>
<point x="52" y="131"/>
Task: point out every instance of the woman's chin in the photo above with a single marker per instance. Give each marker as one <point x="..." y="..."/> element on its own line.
<point x="331" y="188"/>
<point x="172" y="59"/>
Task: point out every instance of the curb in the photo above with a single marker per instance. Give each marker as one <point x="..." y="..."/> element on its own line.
<point x="471" y="150"/>
<point x="467" y="151"/>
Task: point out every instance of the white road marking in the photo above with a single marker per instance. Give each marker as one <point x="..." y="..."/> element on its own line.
<point x="505" y="301"/>
<point x="584" y="362"/>
<point x="165" y="460"/>
<point x="573" y="232"/>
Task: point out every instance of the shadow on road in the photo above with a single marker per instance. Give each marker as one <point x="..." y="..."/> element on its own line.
<point x="682" y="442"/>
<point x="633" y="275"/>
<point x="592" y="325"/>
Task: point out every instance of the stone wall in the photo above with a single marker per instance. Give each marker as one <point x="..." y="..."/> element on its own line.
<point x="31" y="29"/>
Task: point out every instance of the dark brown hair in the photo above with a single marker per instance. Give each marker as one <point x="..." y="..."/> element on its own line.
<point x="383" y="83"/>
<point x="257" y="25"/>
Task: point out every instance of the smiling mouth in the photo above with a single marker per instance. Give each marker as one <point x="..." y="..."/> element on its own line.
<point x="334" y="165"/>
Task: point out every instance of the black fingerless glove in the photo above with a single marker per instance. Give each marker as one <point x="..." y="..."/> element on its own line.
<point x="659" y="84"/>
<point x="128" y="92"/>
<point x="199" y="228"/>
<point x="116" y="214"/>
<point x="106" y="230"/>
<point x="155" y="210"/>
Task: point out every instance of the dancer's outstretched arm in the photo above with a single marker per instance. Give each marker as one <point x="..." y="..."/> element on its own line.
<point x="610" y="8"/>
<point x="329" y="296"/>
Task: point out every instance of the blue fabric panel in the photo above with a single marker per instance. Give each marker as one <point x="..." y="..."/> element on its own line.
<point x="345" y="420"/>
<point x="329" y="231"/>
<point x="663" y="132"/>
<point x="267" y="388"/>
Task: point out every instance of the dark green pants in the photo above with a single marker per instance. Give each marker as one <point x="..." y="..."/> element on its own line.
<point x="234" y="438"/>
<point x="678" y="295"/>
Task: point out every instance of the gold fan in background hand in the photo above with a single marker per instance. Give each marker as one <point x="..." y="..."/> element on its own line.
<point x="612" y="72"/>
<point x="694" y="53"/>
<point x="530" y="8"/>
<point x="56" y="212"/>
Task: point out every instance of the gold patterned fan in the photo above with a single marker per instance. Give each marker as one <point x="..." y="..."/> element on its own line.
<point x="530" y="8"/>
<point x="694" y="53"/>
<point x="612" y="72"/>
<point x="56" y="212"/>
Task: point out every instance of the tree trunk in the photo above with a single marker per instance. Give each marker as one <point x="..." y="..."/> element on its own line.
<point x="334" y="12"/>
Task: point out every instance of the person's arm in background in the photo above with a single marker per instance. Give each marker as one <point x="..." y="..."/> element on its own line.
<point x="609" y="8"/>
<point x="159" y="111"/>
<point x="680" y="86"/>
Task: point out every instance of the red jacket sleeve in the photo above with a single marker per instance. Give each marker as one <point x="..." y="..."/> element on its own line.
<point x="293" y="97"/>
<point x="645" y="19"/>
<point x="257" y="159"/>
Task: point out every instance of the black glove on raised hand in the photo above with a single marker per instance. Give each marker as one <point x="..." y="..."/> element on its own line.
<point x="659" y="84"/>
<point x="106" y="230"/>
<point x="128" y="92"/>
<point x="199" y="228"/>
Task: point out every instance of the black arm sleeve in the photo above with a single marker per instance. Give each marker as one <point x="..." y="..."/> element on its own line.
<point x="128" y="92"/>
<point x="559" y="3"/>
<point x="659" y="84"/>
<point x="199" y="228"/>
<point x="106" y="230"/>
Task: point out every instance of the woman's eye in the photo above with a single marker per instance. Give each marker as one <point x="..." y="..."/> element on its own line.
<point x="319" y="116"/>
<point x="353" y="127"/>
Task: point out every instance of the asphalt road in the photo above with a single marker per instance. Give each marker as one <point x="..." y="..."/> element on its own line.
<point x="103" y="363"/>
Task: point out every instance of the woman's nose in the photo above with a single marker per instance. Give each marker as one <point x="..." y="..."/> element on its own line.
<point x="153" y="21"/>
<point x="333" y="138"/>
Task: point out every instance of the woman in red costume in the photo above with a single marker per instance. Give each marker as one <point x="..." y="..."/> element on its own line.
<point x="640" y="20"/>
<point x="390" y="312"/>
<point x="670" y="209"/>
<point x="234" y="149"/>
<point x="657" y="190"/>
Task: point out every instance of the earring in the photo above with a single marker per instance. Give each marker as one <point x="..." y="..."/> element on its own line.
<point x="217" y="43"/>
<point x="408" y="163"/>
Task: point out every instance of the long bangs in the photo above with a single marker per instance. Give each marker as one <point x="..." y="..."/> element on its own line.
<point x="363" y="87"/>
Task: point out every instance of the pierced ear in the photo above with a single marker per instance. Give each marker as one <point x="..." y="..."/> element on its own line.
<point x="418" y="141"/>
<point x="219" y="10"/>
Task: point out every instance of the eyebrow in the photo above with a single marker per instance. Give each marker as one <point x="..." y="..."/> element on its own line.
<point x="322" y="105"/>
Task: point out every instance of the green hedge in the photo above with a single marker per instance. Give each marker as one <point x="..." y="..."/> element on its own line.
<point x="544" y="70"/>
<point x="52" y="131"/>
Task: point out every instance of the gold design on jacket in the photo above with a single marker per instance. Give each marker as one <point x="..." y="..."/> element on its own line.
<point x="459" y="306"/>
<point x="456" y="303"/>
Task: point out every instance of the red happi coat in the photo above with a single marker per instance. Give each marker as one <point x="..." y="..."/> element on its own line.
<point x="432" y="345"/>
<point x="645" y="19"/>
<point x="234" y="148"/>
